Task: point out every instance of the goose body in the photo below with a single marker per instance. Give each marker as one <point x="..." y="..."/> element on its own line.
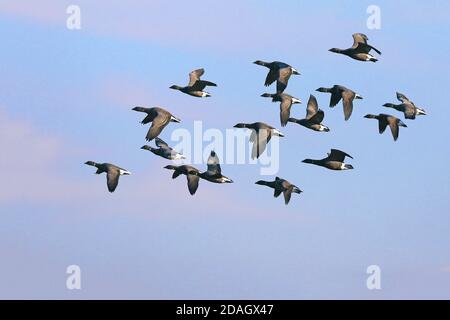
<point x="334" y="161"/>
<point x="281" y="186"/>
<point x="385" y="120"/>
<point x="164" y="150"/>
<point x="286" y="102"/>
<point x="339" y="92"/>
<point x="113" y="173"/>
<point x="261" y="135"/>
<point x="159" y="118"/>
<point x="196" y="86"/>
<point x="314" y="117"/>
<point x="279" y="72"/>
<point x="360" y="50"/>
<point x="409" y="109"/>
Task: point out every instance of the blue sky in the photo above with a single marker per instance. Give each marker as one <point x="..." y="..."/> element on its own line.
<point x="66" y="97"/>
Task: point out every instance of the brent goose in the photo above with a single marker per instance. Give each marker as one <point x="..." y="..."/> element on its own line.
<point x="192" y="175"/>
<point x="279" y="186"/>
<point x="334" y="161"/>
<point x="340" y="92"/>
<point x="112" y="173"/>
<point x="279" y="71"/>
<point x="285" y="106"/>
<point x="196" y="86"/>
<point x="314" y="117"/>
<point x="159" y="118"/>
<point x="408" y="107"/>
<point x="214" y="172"/>
<point x="261" y="135"/>
<point x="384" y="120"/>
<point x="360" y="49"/>
<point x="164" y="150"/>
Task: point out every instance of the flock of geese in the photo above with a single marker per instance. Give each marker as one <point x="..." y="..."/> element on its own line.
<point x="261" y="134"/>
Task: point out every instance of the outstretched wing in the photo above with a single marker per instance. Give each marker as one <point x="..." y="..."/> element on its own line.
<point x="393" y="124"/>
<point x="158" y="124"/>
<point x="112" y="179"/>
<point x="195" y="76"/>
<point x="283" y="78"/>
<point x="261" y="138"/>
<point x="318" y="117"/>
<point x="312" y="107"/>
<point x="359" y="38"/>
<point x="338" y="155"/>
<point x="348" y="97"/>
<point x="401" y="97"/>
<point x="271" y="77"/>
<point x="192" y="181"/>
<point x="382" y="124"/>
<point x="213" y="164"/>
<point x="285" y="109"/>
<point x="160" y="143"/>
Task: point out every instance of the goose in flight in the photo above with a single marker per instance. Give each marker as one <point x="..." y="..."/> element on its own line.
<point x="196" y="86"/>
<point x="359" y="50"/>
<point x="164" y="150"/>
<point x="314" y="117"/>
<point x="340" y="92"/>
<point x="159" y="118"/>
<point x="334" y="161"/>
<point x="112" y="173"/>
<point x="281" y="186"/>
<point x="408" y="107"/>
<point x="285" y="106"/>
<point x="385" y="120"/>
<point x="191" y="173"/>
<point x="279" y="72"/>
<point x="260" y="136"/>
<point x="214" y="172"/>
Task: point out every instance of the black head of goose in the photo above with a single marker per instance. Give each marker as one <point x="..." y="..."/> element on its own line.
<point x="196" y="86"/>
<point x="278" y="71"/>
<point x="339" y="92"/>
<point x="314" y="117"/>
<point x="164" y="150"/>
<point x="285" y="106"/>
<point x="359" y="50"/>
<point x="409" y="109"/>
<point x="281" y="186"/>
<point x="333" y="161"/>
<point x="385" y="120"/>
<point x="260" y="136"/>
<point x="214" y="172"/>
<point x="192" y="174"/>
<point x="113" y="173"/>
<point x="159" y="118"/>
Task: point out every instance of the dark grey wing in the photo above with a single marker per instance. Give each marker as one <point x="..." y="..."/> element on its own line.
<point x="312" y="107"/>
<point x="382" y="124"/>
<point x="158" y="124"/>
<point x="150" y="116"/>
<point x="192" y="181"/>
<point x="214" y="164"/>
<point x="338" y="155"/>
<point x="271" y="77"/>
<point x="112" y="179"/>
<point x="160" y="143"/>
<point x="283" y="78"/>
<point x="285" y="109"/>
<point x="317" y="118"/>
<point x="365" y="48"/>
<point x="347" y="97"/>
<point x="336" y="96"/>
<point x="393" y="124"/>
<point x="401" y="97"/>
<point x="277" y="192"/>
<point x="259" y="145"/>
<point x="195" y="75"/>
<point x="199" y="85"/>
<point x="410" y="111"/>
